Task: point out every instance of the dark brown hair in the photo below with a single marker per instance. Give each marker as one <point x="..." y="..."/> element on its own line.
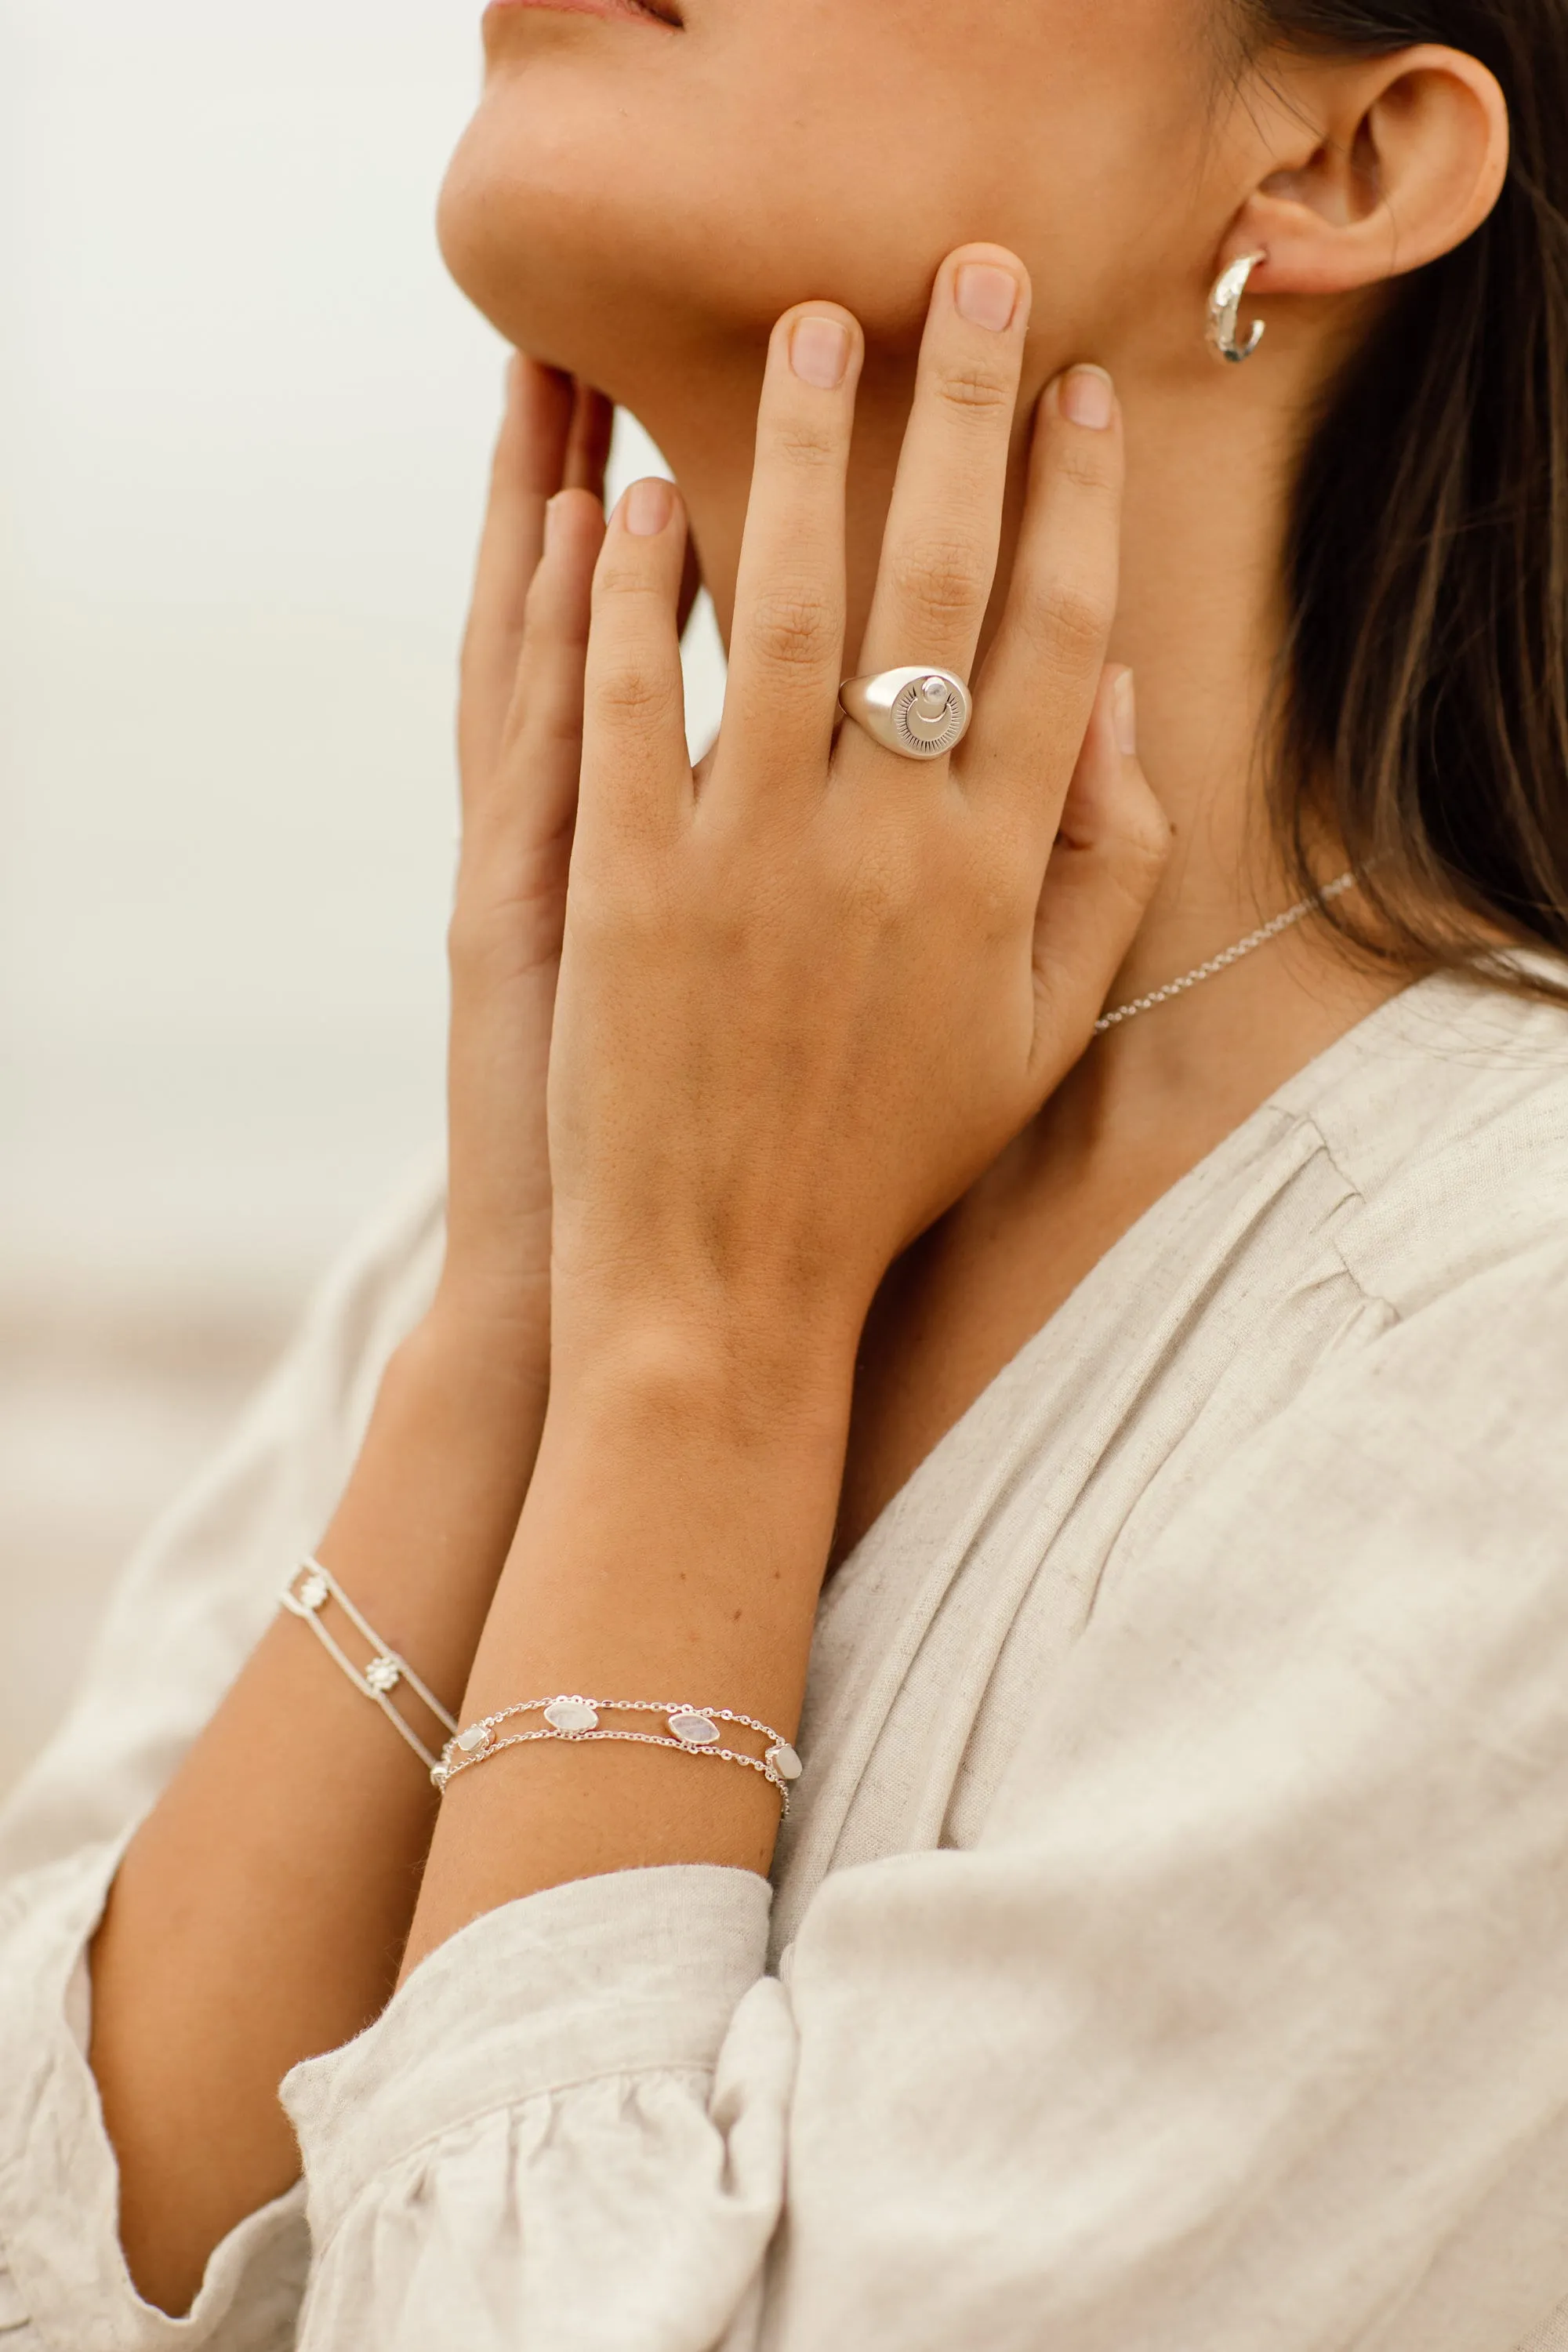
<point x="1425" y="704"/>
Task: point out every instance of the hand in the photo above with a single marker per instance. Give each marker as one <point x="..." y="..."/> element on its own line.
<point x="809" y="996"/>
<point x="519" y="746"/>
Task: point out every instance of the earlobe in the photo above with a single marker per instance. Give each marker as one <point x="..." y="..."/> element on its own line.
<point x="1410" y="160"/>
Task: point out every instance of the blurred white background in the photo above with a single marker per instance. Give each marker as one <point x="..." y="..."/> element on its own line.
<point x="244" y="427"/>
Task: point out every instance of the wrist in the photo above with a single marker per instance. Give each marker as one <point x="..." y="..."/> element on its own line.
<point x="762" y="1378"/>
<point x="698" y="1494"/>
<point x="671" y="1549"/>
<point x="492" y="1349"/>
<point x="691" y="1485"/>
<point x="422" y="1533"/>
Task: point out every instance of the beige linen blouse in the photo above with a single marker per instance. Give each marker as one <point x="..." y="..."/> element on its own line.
<point x="1169" y="1948"/>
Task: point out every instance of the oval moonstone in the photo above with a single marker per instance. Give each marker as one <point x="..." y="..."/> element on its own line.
<point x="572" y="1715"/>
<point x="694" y="1730"/>
<point x="784" y="1761"/>
<point x="475" y="1739"/>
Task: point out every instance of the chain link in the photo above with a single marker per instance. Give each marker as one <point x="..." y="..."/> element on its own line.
<point x="1248" y="946"/>
<point x="455" y="1760"/>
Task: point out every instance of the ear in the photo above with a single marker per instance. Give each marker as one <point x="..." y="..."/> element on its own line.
<point x="1381" y="167"/>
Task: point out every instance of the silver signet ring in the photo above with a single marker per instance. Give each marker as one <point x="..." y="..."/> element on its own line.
<point x="921" y="714"/>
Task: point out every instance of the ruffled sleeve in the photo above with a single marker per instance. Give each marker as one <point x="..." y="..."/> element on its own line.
<point x="568" y="2128"/>
<point x="63" y="2280"/>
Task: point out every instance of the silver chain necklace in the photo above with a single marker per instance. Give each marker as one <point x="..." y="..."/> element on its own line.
<point x="1248" y="946"/>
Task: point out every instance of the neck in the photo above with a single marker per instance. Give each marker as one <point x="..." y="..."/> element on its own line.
<point x="1200" y="621"/>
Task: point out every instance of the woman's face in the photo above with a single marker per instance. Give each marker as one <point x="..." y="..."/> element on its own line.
<point x="634" y="185"/>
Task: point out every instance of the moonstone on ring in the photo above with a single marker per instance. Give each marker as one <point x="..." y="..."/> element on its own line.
<point x="919" y="714"/>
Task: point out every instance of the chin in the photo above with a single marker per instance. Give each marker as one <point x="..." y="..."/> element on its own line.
<point x="616" y="263"/>
<point x="531" y="245"/>
<point x="573" y="220"/>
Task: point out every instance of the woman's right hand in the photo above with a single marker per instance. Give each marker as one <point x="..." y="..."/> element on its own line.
<point x="519" y="747"/>
<point x="810" y="995"/>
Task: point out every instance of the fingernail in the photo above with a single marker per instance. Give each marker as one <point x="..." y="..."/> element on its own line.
<point x="551" y="521"/>
<point x="1085" y="396"/>
<point x="986" y="296"/>
<point x="819" y="352"/>
<point x="650" y="506"/>
<point x="1124" y="705"/>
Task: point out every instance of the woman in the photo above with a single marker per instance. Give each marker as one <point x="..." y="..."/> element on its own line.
<point x="1089" y="1374"/>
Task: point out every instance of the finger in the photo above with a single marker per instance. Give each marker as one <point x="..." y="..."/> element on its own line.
<point x="1107" y="862"/>
<point x="520" y="816"/>
<point x="786" y="641"/>
<point x="587" y="462"/>
<point x="588" y="443"/>
<point x="635" y="765"/>
<point x="690" y="586"/>
<point x="1043" y="674"/>
<point x="945" y="527"/>
<point x="526" y="474"/>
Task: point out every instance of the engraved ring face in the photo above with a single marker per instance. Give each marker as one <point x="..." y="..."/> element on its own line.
<point x="930" y="717"/>
<point x="921" y="714"/>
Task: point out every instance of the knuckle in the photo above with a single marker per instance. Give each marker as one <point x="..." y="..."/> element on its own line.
<point x="1072" y="617"/>
<point x="1085" y="464"/>
<point x="462" y="944"/>
<point x="975" y="389"/>
<point x="471" y="943"/>
<point x="1004" y="908"/>
<point x="1148" y="836"/>
<point x="943" y="581"/>
<point x="1080" y="619"/>
<point x="475" y="660"/>
<point x="541" y="606"/>
<point x="627" y="689"/>
<point x="616" y="577"/>
<point x="506" y="890"/>
<point x="801" y="443"/>
<point x="794" y="629"/>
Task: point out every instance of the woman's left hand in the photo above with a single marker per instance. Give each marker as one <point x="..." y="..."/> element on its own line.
<point x="810" y="993"/>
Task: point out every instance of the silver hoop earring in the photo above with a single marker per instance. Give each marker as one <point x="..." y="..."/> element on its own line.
<point x="1224" y="312"/>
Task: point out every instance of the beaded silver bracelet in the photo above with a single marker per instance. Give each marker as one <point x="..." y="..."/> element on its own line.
<point x="694" y="1730"/>
<point x="305" y="1596"/>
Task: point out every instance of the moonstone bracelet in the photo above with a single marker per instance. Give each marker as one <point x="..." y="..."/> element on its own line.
<point x="693" y="1729"/>
<point x="305" y="1596"/>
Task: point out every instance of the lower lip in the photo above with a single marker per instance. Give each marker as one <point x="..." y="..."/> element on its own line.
<point x="621" y="10"/>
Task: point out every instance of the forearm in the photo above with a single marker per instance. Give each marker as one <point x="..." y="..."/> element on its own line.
<point x="671" y="1549"/>
<point x="261" y="1911"/>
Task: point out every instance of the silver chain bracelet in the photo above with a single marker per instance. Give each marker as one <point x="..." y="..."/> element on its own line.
<point x="693" y="1730"/>
<point x="305" y="1596"/>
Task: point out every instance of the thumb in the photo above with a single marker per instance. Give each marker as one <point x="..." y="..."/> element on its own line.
<point x="1109" y="853"/>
